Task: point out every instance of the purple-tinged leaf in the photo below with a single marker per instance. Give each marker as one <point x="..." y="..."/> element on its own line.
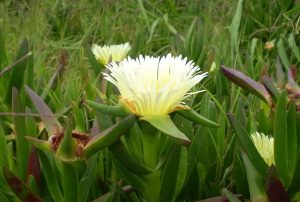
<point x="19" y="187"/>
<point x="274" y="187"/>
<point x="52" y="125"/>
<point x="291" y="86"/>
<point x="33" y="167"/>
<point x="247" y="83"/>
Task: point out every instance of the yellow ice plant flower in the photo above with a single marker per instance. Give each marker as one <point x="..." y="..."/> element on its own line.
<point x="114" y="53"/>
<point x="151" y="86"/>
<point x="265" y="146"/>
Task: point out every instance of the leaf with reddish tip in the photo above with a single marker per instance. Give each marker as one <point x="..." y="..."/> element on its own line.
<point x="247" y="83"/>
<point x="291" y="85"/>
<point x="274" y="187"/>
<point x="52" y="125"/>
<point x="19" y="187"/>
<point x="33" y="167"/>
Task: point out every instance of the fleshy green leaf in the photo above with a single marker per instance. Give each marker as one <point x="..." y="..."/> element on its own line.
<point x="41" y="144"/>
<point x="118" y="110"/>
<point x="197" y="118"/>
<point x="124" y="158"/>
<point x="174" y="174"/>
<point x="18" y="71"/>
<point x="51" y="180"/>
<point x="108" y="137"/>
<point x="255" y="181"/>
<point x="22" y="145"/>
<point x="292" y="139"/>
<point x="166" y="125"/>
<point x="255" y="158"/>
<point x="280" y="140"/>
<point x="70" y="182"/>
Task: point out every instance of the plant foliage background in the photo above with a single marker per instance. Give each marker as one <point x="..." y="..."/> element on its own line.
<point x="47" y="68"/>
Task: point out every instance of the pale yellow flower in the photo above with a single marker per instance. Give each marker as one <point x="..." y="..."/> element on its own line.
<point x="152" y="86"/>
<point x="265" y="146"/>
<point x="114" y="53"/>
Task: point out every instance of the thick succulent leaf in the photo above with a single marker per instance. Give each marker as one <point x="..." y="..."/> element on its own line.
<point x="174" y="174"/>
<point x="280" y="140"/>
<point x="275" y="190"/>
<point x="292" y="142"/>
<point x="41" y="144"/>
<point x="87" y="179"/>
<point x="108" y="137"/>
<point x="118" y="110"/>
<point x="255" y="158"/>
<point x="51" y="180"/>
<point x="19" y="187"/>
<point x="124" y="158"/>
<point x="22" y="146"/>
<point x="18" y="71"/>
<point x="52" y="125"/>
<point x="70" y="182"/>
<point x="166" y="125"/>
<point x="246" y="83"/>
<point x="197" y="118"/>
<point x="255" y="181"/>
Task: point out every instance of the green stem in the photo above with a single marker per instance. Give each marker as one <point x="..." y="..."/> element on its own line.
<point x="152" y="191"/>
<point x="149" y="144"/>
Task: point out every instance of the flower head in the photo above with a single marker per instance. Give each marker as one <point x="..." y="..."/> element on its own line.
<point x="152" y="85"/>
<point x="114" y="53"/>
<point x="265" y="146"/>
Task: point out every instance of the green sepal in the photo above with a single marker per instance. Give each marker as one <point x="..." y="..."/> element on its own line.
<point x="40" y="144"/>
<point x="108" y="136"/>
<point x="119" y="110"/>
<point x="166" y="125"/>
<point x="197" y="118"/>
<point x="66" y="149"/>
